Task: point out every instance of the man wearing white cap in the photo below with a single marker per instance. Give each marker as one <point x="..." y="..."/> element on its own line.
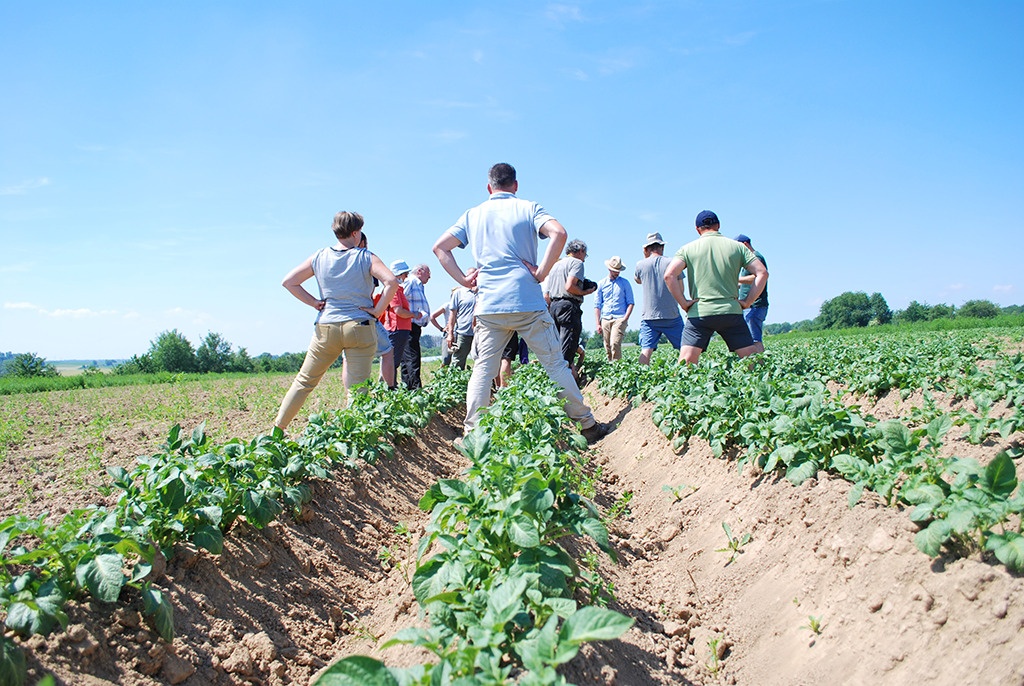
<point x="660" y="314"/>
<point x="612" y="306"/>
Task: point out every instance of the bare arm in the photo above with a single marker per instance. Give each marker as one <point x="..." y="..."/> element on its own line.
<point x="572" y="287"/>
<point x="557" y="236"/>
<point x="443" y="250"/>
<point x="675" y="286"/>
<point x="437" y="313"/>
<point x="293" y="283"/>
<point x="629" y="311"/>
<point x="760" y="273"/>
<point x="748" y="279"/>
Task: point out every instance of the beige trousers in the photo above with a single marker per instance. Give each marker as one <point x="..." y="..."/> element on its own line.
<point x="357" y="340"/>
<point x="613" y="330"/>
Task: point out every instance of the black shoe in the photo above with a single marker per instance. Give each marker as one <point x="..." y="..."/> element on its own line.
<point x="596" y="432"/>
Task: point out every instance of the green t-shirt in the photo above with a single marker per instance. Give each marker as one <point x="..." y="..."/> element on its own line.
<point x="762" y="300"/>
<point x="713" y="264"/>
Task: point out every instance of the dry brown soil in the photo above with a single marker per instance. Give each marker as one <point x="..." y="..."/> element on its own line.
<point x="281" y="603"/>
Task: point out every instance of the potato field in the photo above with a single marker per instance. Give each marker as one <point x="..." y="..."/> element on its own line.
<point x="843" y="509"/>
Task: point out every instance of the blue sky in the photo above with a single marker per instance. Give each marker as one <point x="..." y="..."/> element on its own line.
<point x="164" y="165"/>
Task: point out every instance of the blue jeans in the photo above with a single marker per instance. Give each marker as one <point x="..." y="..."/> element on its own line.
<point x="755" y="317"/>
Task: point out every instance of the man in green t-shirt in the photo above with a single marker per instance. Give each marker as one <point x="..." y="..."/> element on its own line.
<point x="713" y="263"/>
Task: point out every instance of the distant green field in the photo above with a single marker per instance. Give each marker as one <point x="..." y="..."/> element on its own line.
<point x="75" y="367"/>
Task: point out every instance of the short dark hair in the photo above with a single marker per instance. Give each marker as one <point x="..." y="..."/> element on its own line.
<point x="346" y="224"/>
<point x="502" y="176"/>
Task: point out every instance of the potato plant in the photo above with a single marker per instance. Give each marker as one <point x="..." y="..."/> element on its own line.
<point x="190" y="490"/>
<point x="501" y="593"/>
<point x="780" y="415"/>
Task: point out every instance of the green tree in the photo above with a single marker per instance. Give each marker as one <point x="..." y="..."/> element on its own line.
<point x="138" y="364"/>
<point x="28" y="365"/>
<point x="214" y="355"/>
<point x="845" y="310"/>
<point x="241" y="362"/>
<point x="880" y="312"/>
<point x="915" y="312"/>
<point x="941" y="311"/>
<point x="982" y="309"/>
<point x="172" y="352"/>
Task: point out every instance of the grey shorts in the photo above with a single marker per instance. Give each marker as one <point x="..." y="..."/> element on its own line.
<point x="731" y="327"/>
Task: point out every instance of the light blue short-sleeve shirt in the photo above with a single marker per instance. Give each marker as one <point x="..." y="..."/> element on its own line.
<point x="502" y="233"/>
<point x="346" y="286"/>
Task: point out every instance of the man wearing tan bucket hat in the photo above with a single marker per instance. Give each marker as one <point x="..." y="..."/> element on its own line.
<point x="612" y="306"/>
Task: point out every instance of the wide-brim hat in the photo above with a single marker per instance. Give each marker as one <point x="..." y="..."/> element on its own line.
<point x="615" y="264"/>
<point x="653" y="239"/>
<point x="399" y="267"/>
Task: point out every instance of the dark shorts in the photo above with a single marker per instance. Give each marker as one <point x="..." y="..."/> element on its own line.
<point x="511" y="350"/>
<point x="731" y="327"/>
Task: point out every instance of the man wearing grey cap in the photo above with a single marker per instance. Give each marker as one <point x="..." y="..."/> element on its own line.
<point x="713" y="263"/>
<point x="660" y="315"/>
<point x="758" y="311"/>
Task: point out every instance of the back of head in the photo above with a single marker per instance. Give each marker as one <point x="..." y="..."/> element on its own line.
<point x="346" y="223"/>
<point x="502" y="176"/>
<point x="707" y="219"/>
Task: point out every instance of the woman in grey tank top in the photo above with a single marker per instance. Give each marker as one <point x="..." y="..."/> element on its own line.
<point x="345" y="311"/>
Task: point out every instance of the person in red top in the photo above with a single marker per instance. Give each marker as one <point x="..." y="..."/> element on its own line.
<point x="397" y="318"/>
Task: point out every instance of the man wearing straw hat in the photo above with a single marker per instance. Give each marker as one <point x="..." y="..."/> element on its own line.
<point x="660" y="314"/>
<point x="612" y="306"/>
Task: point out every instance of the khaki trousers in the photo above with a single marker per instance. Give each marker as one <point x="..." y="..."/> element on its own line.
<point x="538" y="330"/>
<point x="358" y="342"/>
<point x="613" y="330"/>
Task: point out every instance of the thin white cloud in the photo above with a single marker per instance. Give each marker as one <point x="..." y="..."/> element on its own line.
<point x="648" y="216"/>
<point x="22" y="268"/>
<point x="60" y="313"/>
<point x="1003" y="288"/>
<point x="576" y="73"/>
<point x="25" y="187"/>
<point x="740" y="39"/>
<point x="478" y="56"/>
<point x="955" y="287"/>
<point x="563" y="12"/>
<point x="615" y="65"/>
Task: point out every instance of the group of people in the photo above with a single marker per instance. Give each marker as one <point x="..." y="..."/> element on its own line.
<point x="500" y="299"/>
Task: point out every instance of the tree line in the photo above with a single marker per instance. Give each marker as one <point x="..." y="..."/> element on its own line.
<point x="858" y="309"/>
<point x="171" y="351"/>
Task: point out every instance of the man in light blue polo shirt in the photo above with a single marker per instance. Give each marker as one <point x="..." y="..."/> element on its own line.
<point x="502" y="234"/>
<point x="612" y="307"/>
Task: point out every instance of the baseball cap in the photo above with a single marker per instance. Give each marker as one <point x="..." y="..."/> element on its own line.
<point x="653" y="239"/>
<point x="399" y="267"/>
<point x="707" y="218"/>
<point x="743" y="238"/>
